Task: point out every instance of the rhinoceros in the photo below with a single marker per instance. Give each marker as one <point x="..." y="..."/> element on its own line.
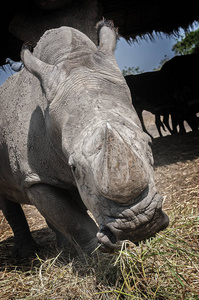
<point x="71" y="142"/>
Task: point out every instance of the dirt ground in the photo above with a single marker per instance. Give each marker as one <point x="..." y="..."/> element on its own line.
<point x="176" y="173"/>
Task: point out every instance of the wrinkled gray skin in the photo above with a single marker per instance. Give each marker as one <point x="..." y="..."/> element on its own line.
<point x="70" y="141"/>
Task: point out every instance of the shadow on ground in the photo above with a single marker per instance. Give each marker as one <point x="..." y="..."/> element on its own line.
<point x="175" y="148"/>
<point x="48" y="249"/>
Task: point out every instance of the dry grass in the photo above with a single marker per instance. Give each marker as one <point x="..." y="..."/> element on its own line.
<point x="165" y="267"/>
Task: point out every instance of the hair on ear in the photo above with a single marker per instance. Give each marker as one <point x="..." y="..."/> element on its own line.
<point x="107" y="23"/>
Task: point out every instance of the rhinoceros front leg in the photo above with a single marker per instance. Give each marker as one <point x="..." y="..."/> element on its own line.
<point x="62" y="212"/>
<point x="62" y="241"/>
<point x="24" y="245"/>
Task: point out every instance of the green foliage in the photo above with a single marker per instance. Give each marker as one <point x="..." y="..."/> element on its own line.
<point x="162" y="62"/>
<point x="187" y="45"/>
<point x="131" y="70"/>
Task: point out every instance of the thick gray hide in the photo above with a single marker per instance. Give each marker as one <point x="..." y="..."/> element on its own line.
<point x="70" y="140"/>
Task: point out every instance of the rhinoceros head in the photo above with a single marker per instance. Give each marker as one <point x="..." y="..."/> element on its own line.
<point x="96" y="130"/>
<point x="113" y="171"/>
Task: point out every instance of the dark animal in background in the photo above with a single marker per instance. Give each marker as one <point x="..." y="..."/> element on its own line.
<point x="171" y="91"/>
<point x="180" y="76"/>
<point x="148" y="94"/>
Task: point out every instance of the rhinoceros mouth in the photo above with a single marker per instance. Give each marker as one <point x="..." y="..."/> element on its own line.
<point x="107" y="239"/>
<point x="114" y="232"/>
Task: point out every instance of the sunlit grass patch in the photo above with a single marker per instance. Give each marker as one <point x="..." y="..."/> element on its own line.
<point x="163" y="267"/>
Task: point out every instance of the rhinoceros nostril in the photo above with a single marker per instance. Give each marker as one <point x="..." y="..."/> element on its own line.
<point x="105" y="231"/>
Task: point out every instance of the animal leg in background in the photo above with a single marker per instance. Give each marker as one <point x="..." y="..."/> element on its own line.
<point x="159" y="124"/>
<point x="142" y="122"/>
<point x="24" y="245"/>
<point x="174" y="123"/>
<point x="176" y="119"/>
<point x="192" y="120"/>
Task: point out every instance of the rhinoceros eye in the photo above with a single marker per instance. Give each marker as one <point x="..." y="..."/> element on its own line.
<point x="75" y="172"/>
<point x="74" y="168"/>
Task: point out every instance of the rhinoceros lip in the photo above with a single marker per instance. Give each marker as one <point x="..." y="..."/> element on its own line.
<point x="108" y="234"/>
<point x="107" y="239"/>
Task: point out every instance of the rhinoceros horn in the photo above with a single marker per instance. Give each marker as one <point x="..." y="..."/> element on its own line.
<point x="48" y="75"/>
<point x="121" y="175"/>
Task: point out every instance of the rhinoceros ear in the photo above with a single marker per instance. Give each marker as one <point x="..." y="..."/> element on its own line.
<point x="47" y="74"/>
<point x="107" y="35"/>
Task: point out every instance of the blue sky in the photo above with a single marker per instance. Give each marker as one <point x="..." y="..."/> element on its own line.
<point x="4" y="74"/>
<point x="146" y="54"/>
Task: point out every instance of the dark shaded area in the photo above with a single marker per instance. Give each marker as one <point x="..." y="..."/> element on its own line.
<point x="141" y="16"/>
<point x="48" y="249"/>
<point x="10" y="45"/>
<point x="175" y="148"/>
<point x="44" y="237"/>
<point x="134" y="18"/>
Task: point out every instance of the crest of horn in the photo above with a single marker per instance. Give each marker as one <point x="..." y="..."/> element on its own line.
<point x="120" y="175"/>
